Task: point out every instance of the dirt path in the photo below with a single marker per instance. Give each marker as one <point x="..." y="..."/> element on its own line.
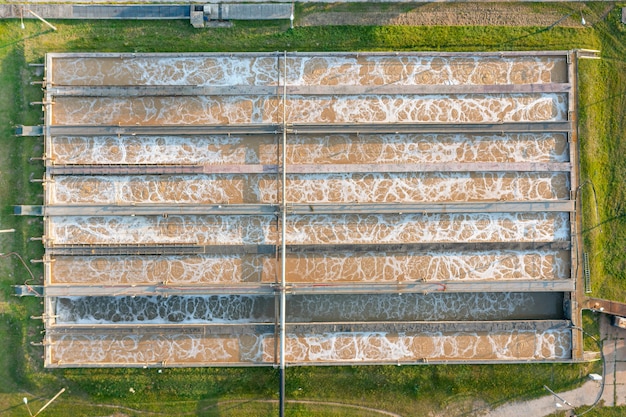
<point x="446" y="14"/>
<point x="369" y="410"/>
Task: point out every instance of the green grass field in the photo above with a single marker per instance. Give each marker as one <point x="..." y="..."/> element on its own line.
<point x="246" y="392"/>
<point x="603" y="147"/>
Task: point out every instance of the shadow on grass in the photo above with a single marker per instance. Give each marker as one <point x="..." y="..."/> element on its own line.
<point x="214" y="407"/>
<point x="547" y="28"/>
<point x="12" y="372"/>
<point x="619" y="218"/>
<point x="15" y="42"/>
<point x="13" y="407"/>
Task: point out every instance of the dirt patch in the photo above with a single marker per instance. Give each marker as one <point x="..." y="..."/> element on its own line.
<point x="446" y="14"/>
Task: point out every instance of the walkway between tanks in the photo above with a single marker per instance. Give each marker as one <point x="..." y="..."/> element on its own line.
<point x="614" y="348"/>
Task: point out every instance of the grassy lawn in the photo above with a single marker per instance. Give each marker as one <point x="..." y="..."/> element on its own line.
<point x="603" y="146"/>
<point x="245" y="392"/>
<point x="606" y="412"/>
<point x="597" y="412"/>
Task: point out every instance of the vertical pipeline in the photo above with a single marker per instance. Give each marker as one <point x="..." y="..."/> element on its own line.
<point x="283" y="311"/>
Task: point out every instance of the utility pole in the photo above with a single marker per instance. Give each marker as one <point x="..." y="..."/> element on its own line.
<point x="45" y="405"/>
<point x="40" y="18"/>
<point x="563" y="400"/>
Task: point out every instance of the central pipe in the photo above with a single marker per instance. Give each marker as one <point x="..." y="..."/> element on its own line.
<point x="283" y="247"/>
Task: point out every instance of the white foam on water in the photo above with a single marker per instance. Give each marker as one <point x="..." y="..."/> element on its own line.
<point x="143" y="349"/>
<point x="201" y="110"/>
<point x="426" y="148"/>
<point x="313" y="229"/>
<point x="178" y="189"/>
<point x="304" y="70"/>
<point x="311" y="348"/>
<point x="302" y="149"/>
<point x="437" y="306"/>
<point x="190" y="230"/>
<point x="162" y="310"/>
<point x="430" y="228"/>
<point x="216" y="71"/>
<point x="421" y="187"/>
<point x="385" y="347"/>
<point x="460" y="108"/>
<point x="309" y="188"/>
<point x="418" y="70"/>
<point x="440" y="306"/>
<point x="173" y="110"/>
<point x="166" y="269"/>
<point x="311" y="267"/>
<point x="162" y="150"/>
<point x="426" y="266"/>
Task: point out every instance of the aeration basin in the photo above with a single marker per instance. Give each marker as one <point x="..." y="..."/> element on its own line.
<point x="405" y="207"/>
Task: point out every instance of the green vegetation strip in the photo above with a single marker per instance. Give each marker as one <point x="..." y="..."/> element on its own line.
<point x="603" y="160"/>
<point x="243" y="392"/>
